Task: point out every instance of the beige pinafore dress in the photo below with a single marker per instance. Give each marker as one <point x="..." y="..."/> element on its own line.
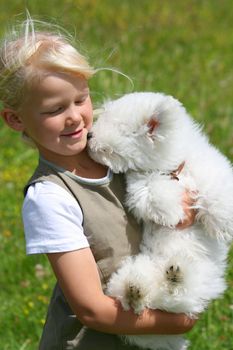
<point x="112" y="234"/>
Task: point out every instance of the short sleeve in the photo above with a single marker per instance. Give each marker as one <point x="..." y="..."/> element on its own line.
<point x="52" y="220"/>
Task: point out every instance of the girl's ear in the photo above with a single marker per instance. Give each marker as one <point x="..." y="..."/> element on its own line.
<point x="12" y="119"/>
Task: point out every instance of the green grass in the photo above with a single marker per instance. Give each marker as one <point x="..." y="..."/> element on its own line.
<point x="184" y="48"/>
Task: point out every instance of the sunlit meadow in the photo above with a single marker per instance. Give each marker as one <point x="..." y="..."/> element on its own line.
<point x="184" y="48"/>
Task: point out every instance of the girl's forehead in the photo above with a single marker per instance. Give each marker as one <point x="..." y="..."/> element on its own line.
<point x="53" y="82"/>
<point x="52" y="87"/>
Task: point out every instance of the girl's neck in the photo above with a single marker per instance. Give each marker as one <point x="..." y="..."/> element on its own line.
<point x="88" y="168"/>
<point x="81" y="165"/>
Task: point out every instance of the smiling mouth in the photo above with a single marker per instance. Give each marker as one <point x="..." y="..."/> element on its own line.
<point x="75" y="133"/>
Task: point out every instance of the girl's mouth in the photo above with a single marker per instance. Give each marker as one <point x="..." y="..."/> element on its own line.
<point x="74" y="134"/>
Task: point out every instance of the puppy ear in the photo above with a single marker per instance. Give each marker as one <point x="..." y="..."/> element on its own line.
<point x="152" y="125"/>
<point x="12" y="119"/>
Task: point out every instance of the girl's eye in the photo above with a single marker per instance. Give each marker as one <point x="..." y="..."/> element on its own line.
<point x="52" y="112"/>
<point x="79" y="102"/>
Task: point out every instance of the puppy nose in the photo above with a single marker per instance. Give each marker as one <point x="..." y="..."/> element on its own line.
<point x="89" y="135"/>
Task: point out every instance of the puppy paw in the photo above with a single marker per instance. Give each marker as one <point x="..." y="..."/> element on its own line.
<point x="157" y="198"/>
<point x="174" y="275"/>
<point x="135" y="297"/>
<point x="170" y="219"/>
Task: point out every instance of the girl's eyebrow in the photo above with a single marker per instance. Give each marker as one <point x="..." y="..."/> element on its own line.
<point x="51" y="106"/>
<point x="85" y="92"/>
<point x="57" y="104"/>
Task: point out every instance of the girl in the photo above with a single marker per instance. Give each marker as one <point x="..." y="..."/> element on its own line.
<point x="73" y="209"/>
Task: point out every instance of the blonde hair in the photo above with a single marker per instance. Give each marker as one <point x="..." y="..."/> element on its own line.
<point x="26" y="54"/>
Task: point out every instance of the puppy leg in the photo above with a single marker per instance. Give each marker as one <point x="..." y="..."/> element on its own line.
<point x="155" y="197"/>
<point x="131" y="284"/>
<point x="214" y="179"/>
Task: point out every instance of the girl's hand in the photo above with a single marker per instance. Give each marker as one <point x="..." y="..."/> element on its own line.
<point x="190" y="213"/>
<point x="78" y="276"/>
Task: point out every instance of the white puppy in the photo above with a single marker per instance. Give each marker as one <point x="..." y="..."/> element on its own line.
<point x="163" y="152"/>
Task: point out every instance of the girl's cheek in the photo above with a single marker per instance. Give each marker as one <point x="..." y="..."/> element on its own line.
<point x="89" y="126"/>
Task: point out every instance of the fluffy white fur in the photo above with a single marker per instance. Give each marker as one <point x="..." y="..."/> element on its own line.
<point x="149" y="136"/>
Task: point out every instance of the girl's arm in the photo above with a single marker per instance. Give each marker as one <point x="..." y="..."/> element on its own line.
<point x="78" y="277"/>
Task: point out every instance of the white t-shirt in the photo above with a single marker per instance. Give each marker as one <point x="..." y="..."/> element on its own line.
<point x="53" y="219"/>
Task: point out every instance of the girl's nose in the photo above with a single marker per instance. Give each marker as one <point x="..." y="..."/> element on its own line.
<point x="73" y="116"/>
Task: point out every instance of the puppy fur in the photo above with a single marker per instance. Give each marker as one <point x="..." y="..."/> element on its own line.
<point x="151" y="138"/>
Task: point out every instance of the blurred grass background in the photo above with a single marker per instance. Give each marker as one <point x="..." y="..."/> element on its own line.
<point x="184" y="48"/>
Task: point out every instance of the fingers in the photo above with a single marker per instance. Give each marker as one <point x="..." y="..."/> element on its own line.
<point x="188" y="220"/>
<point x="188" y="201"/>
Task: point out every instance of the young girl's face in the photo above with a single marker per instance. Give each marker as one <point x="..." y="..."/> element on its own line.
<point x="57" y="115"/>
